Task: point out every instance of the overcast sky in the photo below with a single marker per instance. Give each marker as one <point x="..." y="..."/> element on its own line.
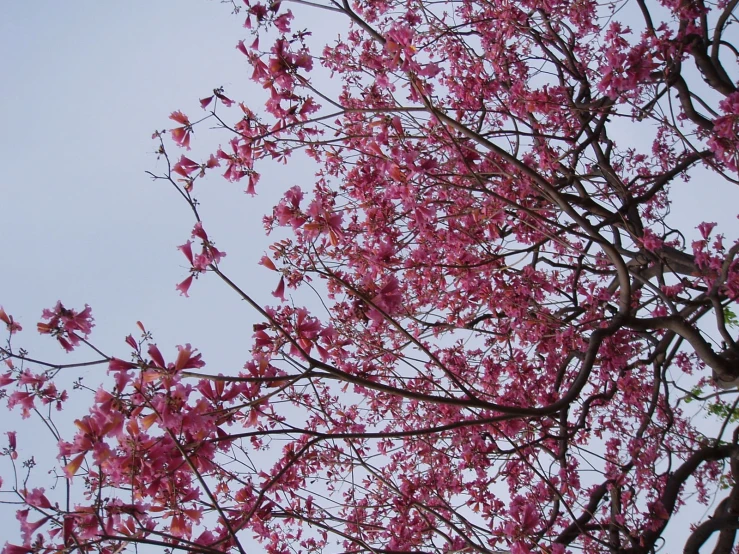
<point x="83" y="85"/>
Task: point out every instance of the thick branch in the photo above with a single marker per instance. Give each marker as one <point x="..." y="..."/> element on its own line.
<point x="672" y="489"/>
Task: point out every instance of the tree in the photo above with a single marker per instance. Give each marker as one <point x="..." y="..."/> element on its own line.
<point x="506" y="308"/>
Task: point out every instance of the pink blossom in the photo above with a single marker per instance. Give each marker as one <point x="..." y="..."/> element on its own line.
<point x="282" y="23"/>
<point x="12" y="444"/>
<point x="186" y="249"/>
<point x="389" y="299"/>
<point x="199" y="232"/>
<point x="23" y="399"/>
<point x="64" y="324"/>
<point x="184" y="286"/>
<point x="185" y="166"/>
<point x="266" y="262"/>
<point x="217" y="93"/>
<point x="705" y="229"/>
<point x="181" y="135"/>
<point x="187" y="358"/>
<point x="38" y="499"/>
<point x="214" y="255"/>
<point x="156" y="356"/>
<point x="651" y="241"/>
<point x="280" y="290"/>
<point x="520" y="547"/>
<point x="116" y="364"/>
<point x="11" y="325"/>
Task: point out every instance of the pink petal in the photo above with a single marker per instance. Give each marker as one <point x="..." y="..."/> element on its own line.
<point x="156" y="356"/>
<point x="280" y="290"/>
<point x="184" y="286"/>
<point x="186" y="249"/>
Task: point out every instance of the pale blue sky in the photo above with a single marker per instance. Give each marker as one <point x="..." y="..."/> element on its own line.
<point x="83" y="86"/>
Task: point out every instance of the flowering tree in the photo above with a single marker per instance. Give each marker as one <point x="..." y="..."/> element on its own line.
<point x="505" y="311"/>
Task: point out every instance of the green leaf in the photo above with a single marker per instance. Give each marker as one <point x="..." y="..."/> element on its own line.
<point x="730" y="318"/>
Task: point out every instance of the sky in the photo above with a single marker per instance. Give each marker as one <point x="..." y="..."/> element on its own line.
<point x="83" y="86"/>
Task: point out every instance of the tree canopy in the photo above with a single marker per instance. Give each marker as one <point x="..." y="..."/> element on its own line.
<point x="483" y="312"/>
